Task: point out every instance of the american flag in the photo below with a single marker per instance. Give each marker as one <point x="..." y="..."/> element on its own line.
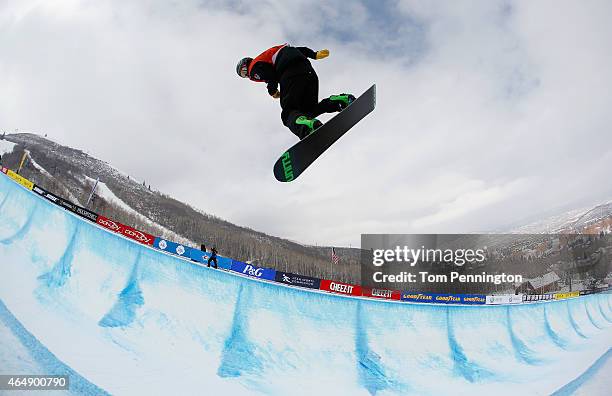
<point x="335" y="259"/>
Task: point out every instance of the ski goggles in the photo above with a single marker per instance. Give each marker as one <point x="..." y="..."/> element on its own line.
<point x="243" y="71"/>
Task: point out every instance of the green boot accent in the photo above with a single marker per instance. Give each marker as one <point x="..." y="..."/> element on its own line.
<point x="343" y="99"/>
<point x="311" y="123"/>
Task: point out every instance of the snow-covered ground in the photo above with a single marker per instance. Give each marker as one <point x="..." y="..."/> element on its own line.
<point x="6" y="147"/>
<point x="552" y="224"/>
<point x="104" y="192"/>
<point x="123" y="318"/>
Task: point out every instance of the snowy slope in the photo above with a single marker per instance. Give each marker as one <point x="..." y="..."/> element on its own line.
<point x="123" y="318"/>
<point x="6" y="147"/>
<point x="104" y="192"/>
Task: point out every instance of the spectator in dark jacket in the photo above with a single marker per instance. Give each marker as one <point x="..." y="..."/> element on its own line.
<point x="213" y="256"/>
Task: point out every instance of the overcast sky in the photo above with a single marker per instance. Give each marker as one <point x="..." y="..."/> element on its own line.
<point x="488" y="112"/>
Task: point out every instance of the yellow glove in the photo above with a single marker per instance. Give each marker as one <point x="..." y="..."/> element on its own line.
<point x="276" y="94"/>
<point x="324" y="53"/>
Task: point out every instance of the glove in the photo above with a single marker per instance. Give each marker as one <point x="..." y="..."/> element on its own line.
<point x="324" y="53"/>
<point x="276" y="94"/>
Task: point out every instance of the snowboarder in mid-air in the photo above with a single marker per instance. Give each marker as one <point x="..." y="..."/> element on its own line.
<point x="299" y="85"/>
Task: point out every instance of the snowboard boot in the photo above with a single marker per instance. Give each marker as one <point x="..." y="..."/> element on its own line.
<point x="342" y="100"/>
<point x="307" y="126"/>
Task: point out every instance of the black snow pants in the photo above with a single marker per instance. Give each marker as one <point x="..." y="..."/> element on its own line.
<point x="299" y="90"/>
<point x="213" y="258"/>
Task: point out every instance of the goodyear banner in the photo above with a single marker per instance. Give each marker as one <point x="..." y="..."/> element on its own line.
<point x="418" y="297"/>
<point x="19" y="179"/>
<point x="563" y="296"/>
<point x="505" y="299"/>
<point x="202" y="257"/>
<point x="468" y="299"/>
<point x="173" y="247"/>
<point x="253" y="270"/>
<point x="297" y="280"/>
<point x="340" y="288"/>
<point x="473" y="299"/>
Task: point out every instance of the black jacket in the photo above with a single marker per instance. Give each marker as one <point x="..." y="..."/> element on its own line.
<point x="290" y="60"/>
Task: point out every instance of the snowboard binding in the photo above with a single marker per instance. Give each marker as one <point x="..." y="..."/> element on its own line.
<point x="308" y="125"/>
<point x="342" y="101"/>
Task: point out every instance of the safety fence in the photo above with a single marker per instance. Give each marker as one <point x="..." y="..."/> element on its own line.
<point x="272" y="275"/>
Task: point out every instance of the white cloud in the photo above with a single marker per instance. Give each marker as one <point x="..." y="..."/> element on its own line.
<point x="476" y="197"/>
<point x="473" y="97"/>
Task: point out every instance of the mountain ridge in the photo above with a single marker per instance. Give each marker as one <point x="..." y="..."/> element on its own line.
<point x="70" y="172"/>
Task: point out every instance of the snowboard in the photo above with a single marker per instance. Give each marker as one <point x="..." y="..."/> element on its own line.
<point x="300" y="156"/>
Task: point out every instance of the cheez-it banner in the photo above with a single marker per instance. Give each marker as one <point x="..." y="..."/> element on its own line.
<point x="341" y="288"/>
<point x="382" y="293"/>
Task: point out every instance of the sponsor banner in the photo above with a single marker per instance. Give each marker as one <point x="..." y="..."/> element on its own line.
<point x="19" y="179"/>
<point x="173" y="247"/>
<point x="537" y="297"/>
<point x="473" y="299"/>
<point x="505" y="299"/>
<point x="109" y="224"/>
<point x="224" y="262"/>
<point x="67" y="205"/>
<point x="82" y="212"/>
<point x="137" y="235"/>
<point x="4" y="170"/>
<point x="382" y="293"/>
<point x="196" y="255"/>
<point x="47" y="195"/>
<point x="39" y="190"/>
<point x="418" y="297"/>
<point x="253" y="270"/>
<point x="86" y="214"/>
<point x="298" y="280"/>
<point x="469" y="299"/>
<point x="339" y="287"/>
<point x="563" y="296"/>
<point x="202" y="257"/>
